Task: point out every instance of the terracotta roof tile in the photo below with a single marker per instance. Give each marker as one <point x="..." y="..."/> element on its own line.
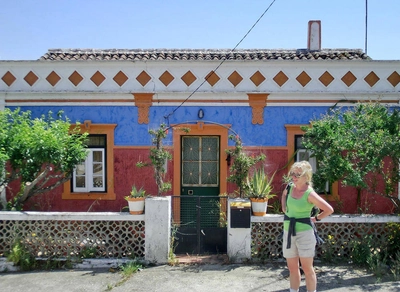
<point x="200" y="55"/>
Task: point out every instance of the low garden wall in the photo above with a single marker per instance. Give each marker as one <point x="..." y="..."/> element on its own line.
<point x="74" y="235"/>
<point x="121" y="235"/>
<point x="338" y="232"/>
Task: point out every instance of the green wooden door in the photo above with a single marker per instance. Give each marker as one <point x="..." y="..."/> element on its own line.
<point x="200" y="178"/>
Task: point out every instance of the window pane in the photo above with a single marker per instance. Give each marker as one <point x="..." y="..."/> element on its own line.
<point x="190" y="175"/>
<point x="97" y="156"/>
<point x="80" y="182"/>
<point x="209" y="173"/>
<point x="80" y="169"/>
<point x="191" y="149"/>
<point x="97" y="169"/>
<point x="98" y="182"/>
<point x="96" y="140"/>
<point x="209" y="149"/>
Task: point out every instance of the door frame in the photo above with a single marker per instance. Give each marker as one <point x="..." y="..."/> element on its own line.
<point x="200" y="129"/>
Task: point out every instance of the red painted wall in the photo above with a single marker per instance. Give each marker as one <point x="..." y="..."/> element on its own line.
<point x="126" y="173"/>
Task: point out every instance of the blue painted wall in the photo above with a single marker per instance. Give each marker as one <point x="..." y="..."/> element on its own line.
<point x="130" y="133"/>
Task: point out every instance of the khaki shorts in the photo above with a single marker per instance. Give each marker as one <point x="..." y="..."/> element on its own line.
<point x="302" y="245"/>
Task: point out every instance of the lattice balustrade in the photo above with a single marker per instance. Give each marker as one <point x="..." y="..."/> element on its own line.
<point x="338" y="232"/>
<point x="266" y="240"/>
<point x="94" y="236"/>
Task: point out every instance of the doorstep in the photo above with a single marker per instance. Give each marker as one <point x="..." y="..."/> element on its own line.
<point x="213" y="259"/>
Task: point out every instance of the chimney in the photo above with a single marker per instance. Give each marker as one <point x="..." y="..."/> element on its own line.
<point x="314" y="35"/>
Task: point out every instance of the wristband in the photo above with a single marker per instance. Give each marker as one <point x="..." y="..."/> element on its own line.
<point x="316" y="218"/>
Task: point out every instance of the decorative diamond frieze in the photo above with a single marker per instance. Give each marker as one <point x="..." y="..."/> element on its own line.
<point x="394" y="78"/>
<point x="235" y="78"/>
<point x="143" y="78"/>
<point x="303" y="78"/>
<point x="75" y="78"/>
<point x="166" y="78"/>
<point x="120" y="78"/>
<point x="53" y="78"/>
<point x="349" y="78"/>
<point x="97" y="78"/>
<point x="257" y="78"/>
<point x="280" y="78"/>
<point x="31" y="78"/>
<point x="8" y="78"/>
<point x="326" y="78"/>
<point x="188" y="78"/>
<point x="371" y="78"/>
<point x="212" y="78"/>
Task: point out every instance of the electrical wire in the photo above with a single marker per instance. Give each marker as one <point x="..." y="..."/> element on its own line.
<point x="220" y="64"/>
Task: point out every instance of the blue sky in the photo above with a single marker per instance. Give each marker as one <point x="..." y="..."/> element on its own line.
<point x="28" y="28"/>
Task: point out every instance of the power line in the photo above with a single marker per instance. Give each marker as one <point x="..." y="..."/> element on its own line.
<point x="366" y="27"/>
<point x="220" y="64"/>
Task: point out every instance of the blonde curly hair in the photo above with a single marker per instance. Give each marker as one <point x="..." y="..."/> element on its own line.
<point x="305" y="170"/>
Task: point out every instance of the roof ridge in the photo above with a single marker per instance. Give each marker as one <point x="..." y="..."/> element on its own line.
<point x="201" y="54"/>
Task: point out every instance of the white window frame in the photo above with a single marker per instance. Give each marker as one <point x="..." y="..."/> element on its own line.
<point x="89" y="175"/>
<point x="301" y="154"/>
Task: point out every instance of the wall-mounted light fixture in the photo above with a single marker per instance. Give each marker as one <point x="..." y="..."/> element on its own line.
<point x="200" y="114"/>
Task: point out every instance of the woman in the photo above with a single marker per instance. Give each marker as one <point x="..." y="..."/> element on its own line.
<point x="299" y="241"/>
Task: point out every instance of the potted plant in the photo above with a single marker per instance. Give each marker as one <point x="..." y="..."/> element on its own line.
<point x="242" y="163"/>
<point x="136" y="200"/>
<point x="259" y="191"/>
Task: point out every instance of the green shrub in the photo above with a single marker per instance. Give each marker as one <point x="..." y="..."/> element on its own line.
<point x="21" y="257"/>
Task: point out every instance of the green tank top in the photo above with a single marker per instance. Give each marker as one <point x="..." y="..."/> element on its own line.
<point x="298" y="208"/>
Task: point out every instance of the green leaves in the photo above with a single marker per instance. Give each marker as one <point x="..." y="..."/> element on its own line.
<point x="242" y="163"/>
<point x="260" y="185"/>
<point x="38" y="149"/>
<point x="159" y="157"/>
<point x="358" y="145"/>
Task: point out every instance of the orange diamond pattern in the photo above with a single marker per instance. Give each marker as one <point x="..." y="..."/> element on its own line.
<point x="371" y="78"/>
<point x="143" y="78"/>
<point x="75" y="78"/>
<point x="349" y="78"/>
<point x="120" y="78"/>
<point x="188" y="78"/>
<point x="394" y="78"/>
<point x="31" y="78"/>
<point x="280" y="78"/>
<point x="303" y="78"/>
<point x="166" y="78"/>
<point x="257" y="78"/>
<point x="53" y="78"/>
<point x="212" y="78"/>
<point x="326" y="78"/>
<point x="8" y="78"/>
<point x="235" y="78"/>
<point x="97" y="78"/>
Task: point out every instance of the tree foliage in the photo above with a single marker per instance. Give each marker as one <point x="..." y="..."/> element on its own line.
<point x="360" y="146"/>
<point x="40" y="152"/>
<point x="242" y="163"/>
<point x="159" y="156"/>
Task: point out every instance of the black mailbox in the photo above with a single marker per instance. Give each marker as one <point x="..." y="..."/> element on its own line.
<point x="240" y="214"/>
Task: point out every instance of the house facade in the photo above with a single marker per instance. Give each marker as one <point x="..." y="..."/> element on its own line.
<point x="264" y="96"/>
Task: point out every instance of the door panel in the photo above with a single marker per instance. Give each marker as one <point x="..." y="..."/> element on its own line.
<point x="200" y="205"/>
<point x="200" y="165"/>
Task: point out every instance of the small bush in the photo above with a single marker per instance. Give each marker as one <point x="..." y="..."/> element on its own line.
<point x="21" y="257"/>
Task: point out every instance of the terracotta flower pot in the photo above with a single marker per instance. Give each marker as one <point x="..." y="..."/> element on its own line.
<point x="136" y="205"/>
<point x="259" y="206"/>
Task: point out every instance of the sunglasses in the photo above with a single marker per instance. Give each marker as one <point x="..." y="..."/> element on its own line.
<point x="295" y="174"/>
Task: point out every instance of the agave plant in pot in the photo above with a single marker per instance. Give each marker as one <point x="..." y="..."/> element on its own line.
<point x="136" y="200"/>
<point x="259" y="191"/>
